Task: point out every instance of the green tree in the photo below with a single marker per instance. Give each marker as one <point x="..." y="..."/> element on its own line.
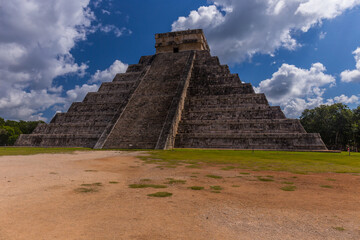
<point x="334" y="123"/>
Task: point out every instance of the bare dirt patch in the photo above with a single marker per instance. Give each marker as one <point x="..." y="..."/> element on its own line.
<point x="39" y="200"/>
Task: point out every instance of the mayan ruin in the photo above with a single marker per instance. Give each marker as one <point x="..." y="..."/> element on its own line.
<point x="181" y="97"/>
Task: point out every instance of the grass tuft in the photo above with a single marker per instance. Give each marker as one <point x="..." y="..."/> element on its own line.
<point x="228" y="168"/>
<point x="146" y="186"/>
<point x="288" y="188"/>
<point x="90" y="170"/>
<point x="339" y="229"/>
<point x="113" y="182"/>
<point x="235" y="185"/>
<point x="264" y="179"/>
<point x="145" y="180"/>
<point x="160" y="194"/>
<point x="175" y="181"/>
<point x="244" y="173"/>
<point x="213" y="176"/>
<point x="85" y="190"/>
<point x="97" y="184"/>
<point x="326" y="186"/>
<point x="290" y="183"/>
<point x="196" y="188"/>
<point x="217" y="188"/>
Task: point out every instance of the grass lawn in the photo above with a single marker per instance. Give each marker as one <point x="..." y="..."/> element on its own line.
<point x="296" y="162"/>
<point x="7" y="151"/>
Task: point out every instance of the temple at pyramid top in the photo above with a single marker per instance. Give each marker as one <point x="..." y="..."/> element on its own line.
<point x="180" y="41"/>
<point x="180" y="97"/>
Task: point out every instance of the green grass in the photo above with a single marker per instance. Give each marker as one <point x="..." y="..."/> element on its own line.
<point x="160" y="194"/>
<point x="265" y="179"/>
<point x="288" y="188"/>
<point x="290" y="183"/>
<point x="175" y="181"/>
<point x="216" y="188"/>
<point x="90" y="170"/>
<point x="235" y="185"/>
<point x="85" y="190"/>
<point x="97" y="184"/>
<point x="228" y="168"/>
<point x="146" y="186"/>
<point x="341" y="229"/>
<point x="213" y="176"/>
<point x="113" y="182"/>
<point x="8" y="151"/>
<point x="145" y="180"/>
<point x="244" y="173"/>
<point x="326" y="186"/>
<point x="196" y="188"/>
<point x="296" y="162"/>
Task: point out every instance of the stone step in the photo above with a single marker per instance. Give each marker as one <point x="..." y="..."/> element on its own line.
<point x="241" y="126"/>
<point x="87" y="117"/>
<point x="269" y="113"/>
<point x="130" y="76"/>
<point x="70" y="128"/>
<point x="228" y="79"/>
<point x="94" y="107"/>
<point x="284" y="141"/>
<point x="135" y="68"/>
<point x="55" y="140"/>
<point x="123" y="86"/>
<point x="244" y="88"/>
<point x="211" y="107"/>
<point x="101" y="97"/>
<point x="230" y="99"/>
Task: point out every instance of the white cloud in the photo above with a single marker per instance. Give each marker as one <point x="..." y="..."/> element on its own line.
<point x="296" y="89"/>
<point x="239" y="29"/>
<point x="36" y="37"/>
<point x="352" y="75"/>
<point x="117" y="31"/>
<point x="108" y="74"/>
<point x="78" y="93"/>
<point x="346" y="100"/>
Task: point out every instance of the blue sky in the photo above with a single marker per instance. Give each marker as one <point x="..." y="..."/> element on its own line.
<point x="300" y="53"/>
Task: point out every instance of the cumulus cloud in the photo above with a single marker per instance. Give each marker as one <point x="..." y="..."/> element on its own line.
<point x="352" y="75"/>
<point x="36" y="37"/>
<point x="237" y="29"/>
<point x="107" y="75"/>
<point x="296" y="89"/>
<point x="346" y="100"/>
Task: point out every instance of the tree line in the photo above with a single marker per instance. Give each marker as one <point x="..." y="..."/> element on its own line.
<point x="338" y="125"/>
<point x="11" y="130"/>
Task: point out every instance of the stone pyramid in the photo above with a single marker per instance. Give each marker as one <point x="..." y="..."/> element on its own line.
<point x="180" y="97"/>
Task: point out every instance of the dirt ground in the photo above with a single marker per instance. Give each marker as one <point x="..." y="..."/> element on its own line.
<point x="40" y="199"/>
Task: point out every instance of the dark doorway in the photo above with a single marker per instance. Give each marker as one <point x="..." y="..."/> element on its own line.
<point x="176" y="49"/>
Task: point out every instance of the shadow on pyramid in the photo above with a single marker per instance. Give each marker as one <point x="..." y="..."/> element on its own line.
<point x="181" y="97"/>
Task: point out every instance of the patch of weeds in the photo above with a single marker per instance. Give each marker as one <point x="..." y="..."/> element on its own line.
<point x="113" y="182"/>
<point x="97" y="184"/>
<point x="193" y="176"/>
<point x="146" y="186"/>
<point x="216" y="188"/>
<point x="214" y="176"/>
<point x="53" y="173"/>
<point x="160" y="194"/>
<point x="90" y="170"/>
<point x="195" y="173"/>
<point x="244" y="173"/>
<point x="269" y="176"/>
<point x="288" y="188"/>
<point x="331" y="179"/>
<point x="176" y="181"/>
<point x="193" y="166"/>
<point x="196" y="188"/>
<point x="300" y="172"/>
<point x="326" y="186"/>
<point x="215" y="191"/>
<point x="339" y="229"/>
<point x="264" y="179"/>
<point x="235" y="185"/>
<point x="228" y="168"/>
<point x="294" y="177"/>
<point x="287" y="183"/>
<point x="85" y="190"/>
<point x="145" y="180"/>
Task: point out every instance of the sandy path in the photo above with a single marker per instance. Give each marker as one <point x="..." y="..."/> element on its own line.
<point x="38" y="201"/>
